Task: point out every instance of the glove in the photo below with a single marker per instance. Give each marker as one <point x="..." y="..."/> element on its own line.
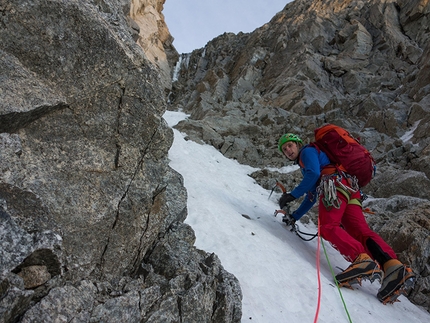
<point x="288" y="219"/>
<point x="285" y="199"/>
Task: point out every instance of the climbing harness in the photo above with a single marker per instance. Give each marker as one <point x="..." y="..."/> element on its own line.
<point x="327" y="189"/>
<point x="330" y="184"/>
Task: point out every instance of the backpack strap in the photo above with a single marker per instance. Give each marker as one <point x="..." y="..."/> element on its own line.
<point x="315" y="145"/>
<point x="329" y="169"/>
<point x="301" y="163"/>
<point x="299" y="159"/>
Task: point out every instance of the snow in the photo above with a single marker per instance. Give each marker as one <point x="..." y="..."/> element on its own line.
<point x="177" y="69"/>
<point x="277" y="270"/>
<point x="410" y="134"/>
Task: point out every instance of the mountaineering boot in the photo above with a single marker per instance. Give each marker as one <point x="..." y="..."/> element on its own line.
<point x="399" y="280"/>
<point x="363" y="267"/>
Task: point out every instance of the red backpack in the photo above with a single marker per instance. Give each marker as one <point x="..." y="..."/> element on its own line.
<point x="345" y="152"/>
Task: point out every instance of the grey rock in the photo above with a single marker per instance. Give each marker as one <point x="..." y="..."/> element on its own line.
<point x="34" y="276"/>
<point x="408" y="183"/>
<point x="14" y="299"/>
<point x="404" y="222"/>
<point x="64" y="304"/>
<point x="86" y="191"/>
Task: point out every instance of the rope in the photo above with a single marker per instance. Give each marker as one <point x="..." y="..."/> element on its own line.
<point x="318" y="275"/>
<point x="289" y="221"/>
<point x="295" y="229"/>
<point x="334" y="277"/>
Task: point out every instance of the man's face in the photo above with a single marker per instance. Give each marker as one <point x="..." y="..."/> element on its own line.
<point x="290" y="150"/>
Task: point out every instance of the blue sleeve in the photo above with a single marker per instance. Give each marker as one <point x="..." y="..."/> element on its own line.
<point x="304" y="207"/>
<point x="311" y="172"/>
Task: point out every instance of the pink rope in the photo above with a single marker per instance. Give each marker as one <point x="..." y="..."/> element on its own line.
<point x="318" y="274"/>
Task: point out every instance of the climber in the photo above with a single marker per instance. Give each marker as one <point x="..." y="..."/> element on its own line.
<point x="342" y="222"/>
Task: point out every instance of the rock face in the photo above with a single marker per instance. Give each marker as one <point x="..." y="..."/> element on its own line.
<point x="91" y="215"/>
<point x="153" y="35"/>
<point x="363" y="65"/>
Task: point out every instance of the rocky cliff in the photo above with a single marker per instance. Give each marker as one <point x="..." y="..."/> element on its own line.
<point x="363" y="65"/>
<point x="91" y="215"/>
<point x="152" y="34"/>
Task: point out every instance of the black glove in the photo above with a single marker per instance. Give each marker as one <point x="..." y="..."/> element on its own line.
<point x="285" y="199"/>
<point x="289" y="220"/>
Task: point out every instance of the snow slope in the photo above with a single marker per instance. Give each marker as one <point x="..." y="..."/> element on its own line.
<point x="276" y="269"/>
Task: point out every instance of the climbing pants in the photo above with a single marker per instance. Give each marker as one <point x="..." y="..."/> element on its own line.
<point x="346" y="229"/>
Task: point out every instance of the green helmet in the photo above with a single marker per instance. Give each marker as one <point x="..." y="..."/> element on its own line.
<point x="286" y="138"/>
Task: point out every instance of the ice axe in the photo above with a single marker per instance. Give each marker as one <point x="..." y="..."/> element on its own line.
<point x="277" y="184"/>
<point x="286" y="210"/>
<point x="288" y="219"/>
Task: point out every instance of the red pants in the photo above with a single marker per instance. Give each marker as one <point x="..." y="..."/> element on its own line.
<point x="347" y="230"/>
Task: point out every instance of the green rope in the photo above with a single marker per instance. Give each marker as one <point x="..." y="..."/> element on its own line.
<point x="335" y="280"/>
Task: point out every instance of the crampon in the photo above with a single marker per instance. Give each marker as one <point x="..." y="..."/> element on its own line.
<point x="404" y="289"/>
<point x="358" y="280"/>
